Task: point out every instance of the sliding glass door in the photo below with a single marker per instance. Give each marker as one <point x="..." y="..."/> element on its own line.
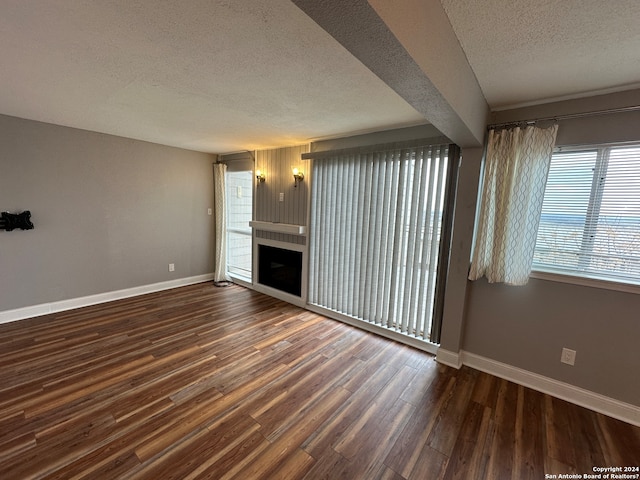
<point x="376" y="235"/>
<point x="239" y="202"/>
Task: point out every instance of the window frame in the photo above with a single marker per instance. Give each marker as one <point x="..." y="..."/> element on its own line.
<point x="590" y="279"/>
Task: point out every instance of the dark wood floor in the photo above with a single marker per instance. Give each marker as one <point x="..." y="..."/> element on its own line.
<point x="205" y="382"/>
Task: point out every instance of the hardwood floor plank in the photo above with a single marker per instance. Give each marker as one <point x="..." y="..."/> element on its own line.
<point x="558" y="438"/>
<point x="407" y="450"/>
<point x="330" y="465"/>
<point x="370" y="370"/>
<point x="587" y="448"/>
<point x="421" y="382"/>
<point x="382" y="472"/>
<point x="17" y="446"/>
<point x="529" y="448"/>
<point x="302" y="399"/>
<point x="289" y="440"/>
<point x="430" y="464"/>
<point x="186" y="420"/>
<point x="503" y="436"/>
<point x="52" y="399"/>
<point x="11" y="427"/>
<point x="226" y="383"/>
<point x="447" y="427"/>
<point x="619" y="441"/>
<point x="377" y="440"/>
<point x="485" y="390"/>
<point x="348" y="414"/>
<point x="235" y="459"/>
<point x="295" y="465"/>
<point x="467" y="459"/>
<point x="185" y="458"/>
<point x="119" y="467"/>
<point x="367" y="428"/>
<point x="116" y="447"/>
<point x="54" y="453"/>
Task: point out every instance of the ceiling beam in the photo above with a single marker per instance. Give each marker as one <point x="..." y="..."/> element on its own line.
<point x="411" y="46"/>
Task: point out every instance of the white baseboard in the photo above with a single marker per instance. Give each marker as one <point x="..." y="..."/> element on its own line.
<point x="62" y="305"/>
<point x="449" y="358"/>
<point x="565" y="391"/>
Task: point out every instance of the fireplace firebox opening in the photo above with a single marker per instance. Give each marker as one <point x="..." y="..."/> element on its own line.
<point x="280" y="269"/>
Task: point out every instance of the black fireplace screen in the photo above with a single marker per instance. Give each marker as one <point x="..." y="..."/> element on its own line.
<point x="280" y="269"/>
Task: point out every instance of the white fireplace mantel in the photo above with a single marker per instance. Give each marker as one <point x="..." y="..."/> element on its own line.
<point x="279" y="227"/>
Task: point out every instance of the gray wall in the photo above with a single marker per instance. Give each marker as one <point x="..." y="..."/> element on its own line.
<point x="109" y="213"/>
<point x="527" y="326"/>
<point x="453" y="315"/>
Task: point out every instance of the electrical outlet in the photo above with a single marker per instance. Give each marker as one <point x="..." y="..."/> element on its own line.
<point x="172" y="267"/>
<point x="568" y="356"/>
<point x="209" y="211"/>
<point x="281" y="197"/>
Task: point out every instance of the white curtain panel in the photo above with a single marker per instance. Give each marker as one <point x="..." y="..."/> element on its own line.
<point x="219" y="188"/>
<point x="515" y="174"/>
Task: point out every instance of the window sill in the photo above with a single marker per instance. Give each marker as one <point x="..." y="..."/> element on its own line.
<point x="586" y="281"/>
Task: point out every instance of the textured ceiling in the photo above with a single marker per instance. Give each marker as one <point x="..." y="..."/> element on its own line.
<point x="223" y="76"/>
<point x="526" y="52"/>
<point x="215" y="76"/>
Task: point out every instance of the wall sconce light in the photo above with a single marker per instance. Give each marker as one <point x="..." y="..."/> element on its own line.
<point x="260" y="176"/>
<point x="298" y="176"/>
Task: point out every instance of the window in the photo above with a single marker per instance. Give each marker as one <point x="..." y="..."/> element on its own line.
<point x="239" y="212"/>
<point x="590" y="222"/>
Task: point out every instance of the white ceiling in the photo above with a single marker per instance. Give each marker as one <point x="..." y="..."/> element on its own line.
<point x="216" y="76"/>
<point x="223" y="76"/>
<point x="528" y="52"/>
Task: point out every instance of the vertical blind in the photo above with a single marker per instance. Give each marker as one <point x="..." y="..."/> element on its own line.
<point x="376" y="222"/>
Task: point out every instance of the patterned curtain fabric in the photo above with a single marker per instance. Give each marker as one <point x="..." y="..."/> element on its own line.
<point x="219" y="201"/>
<point x="515" y="175"/>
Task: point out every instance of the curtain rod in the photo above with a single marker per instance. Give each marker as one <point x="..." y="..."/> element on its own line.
<point x="557" y="118"/>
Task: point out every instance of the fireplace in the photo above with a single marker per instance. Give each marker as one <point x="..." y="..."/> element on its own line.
<point x="280" y="268"/>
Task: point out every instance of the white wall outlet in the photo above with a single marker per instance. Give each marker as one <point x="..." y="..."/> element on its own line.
<point x="209" y="211"/>
<point x="282" y="197"/>
<point x="568" y="356"/>
<point x="172" y="267"/>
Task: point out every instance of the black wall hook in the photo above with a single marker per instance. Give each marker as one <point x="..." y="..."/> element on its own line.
<point x="11" y="221"/>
